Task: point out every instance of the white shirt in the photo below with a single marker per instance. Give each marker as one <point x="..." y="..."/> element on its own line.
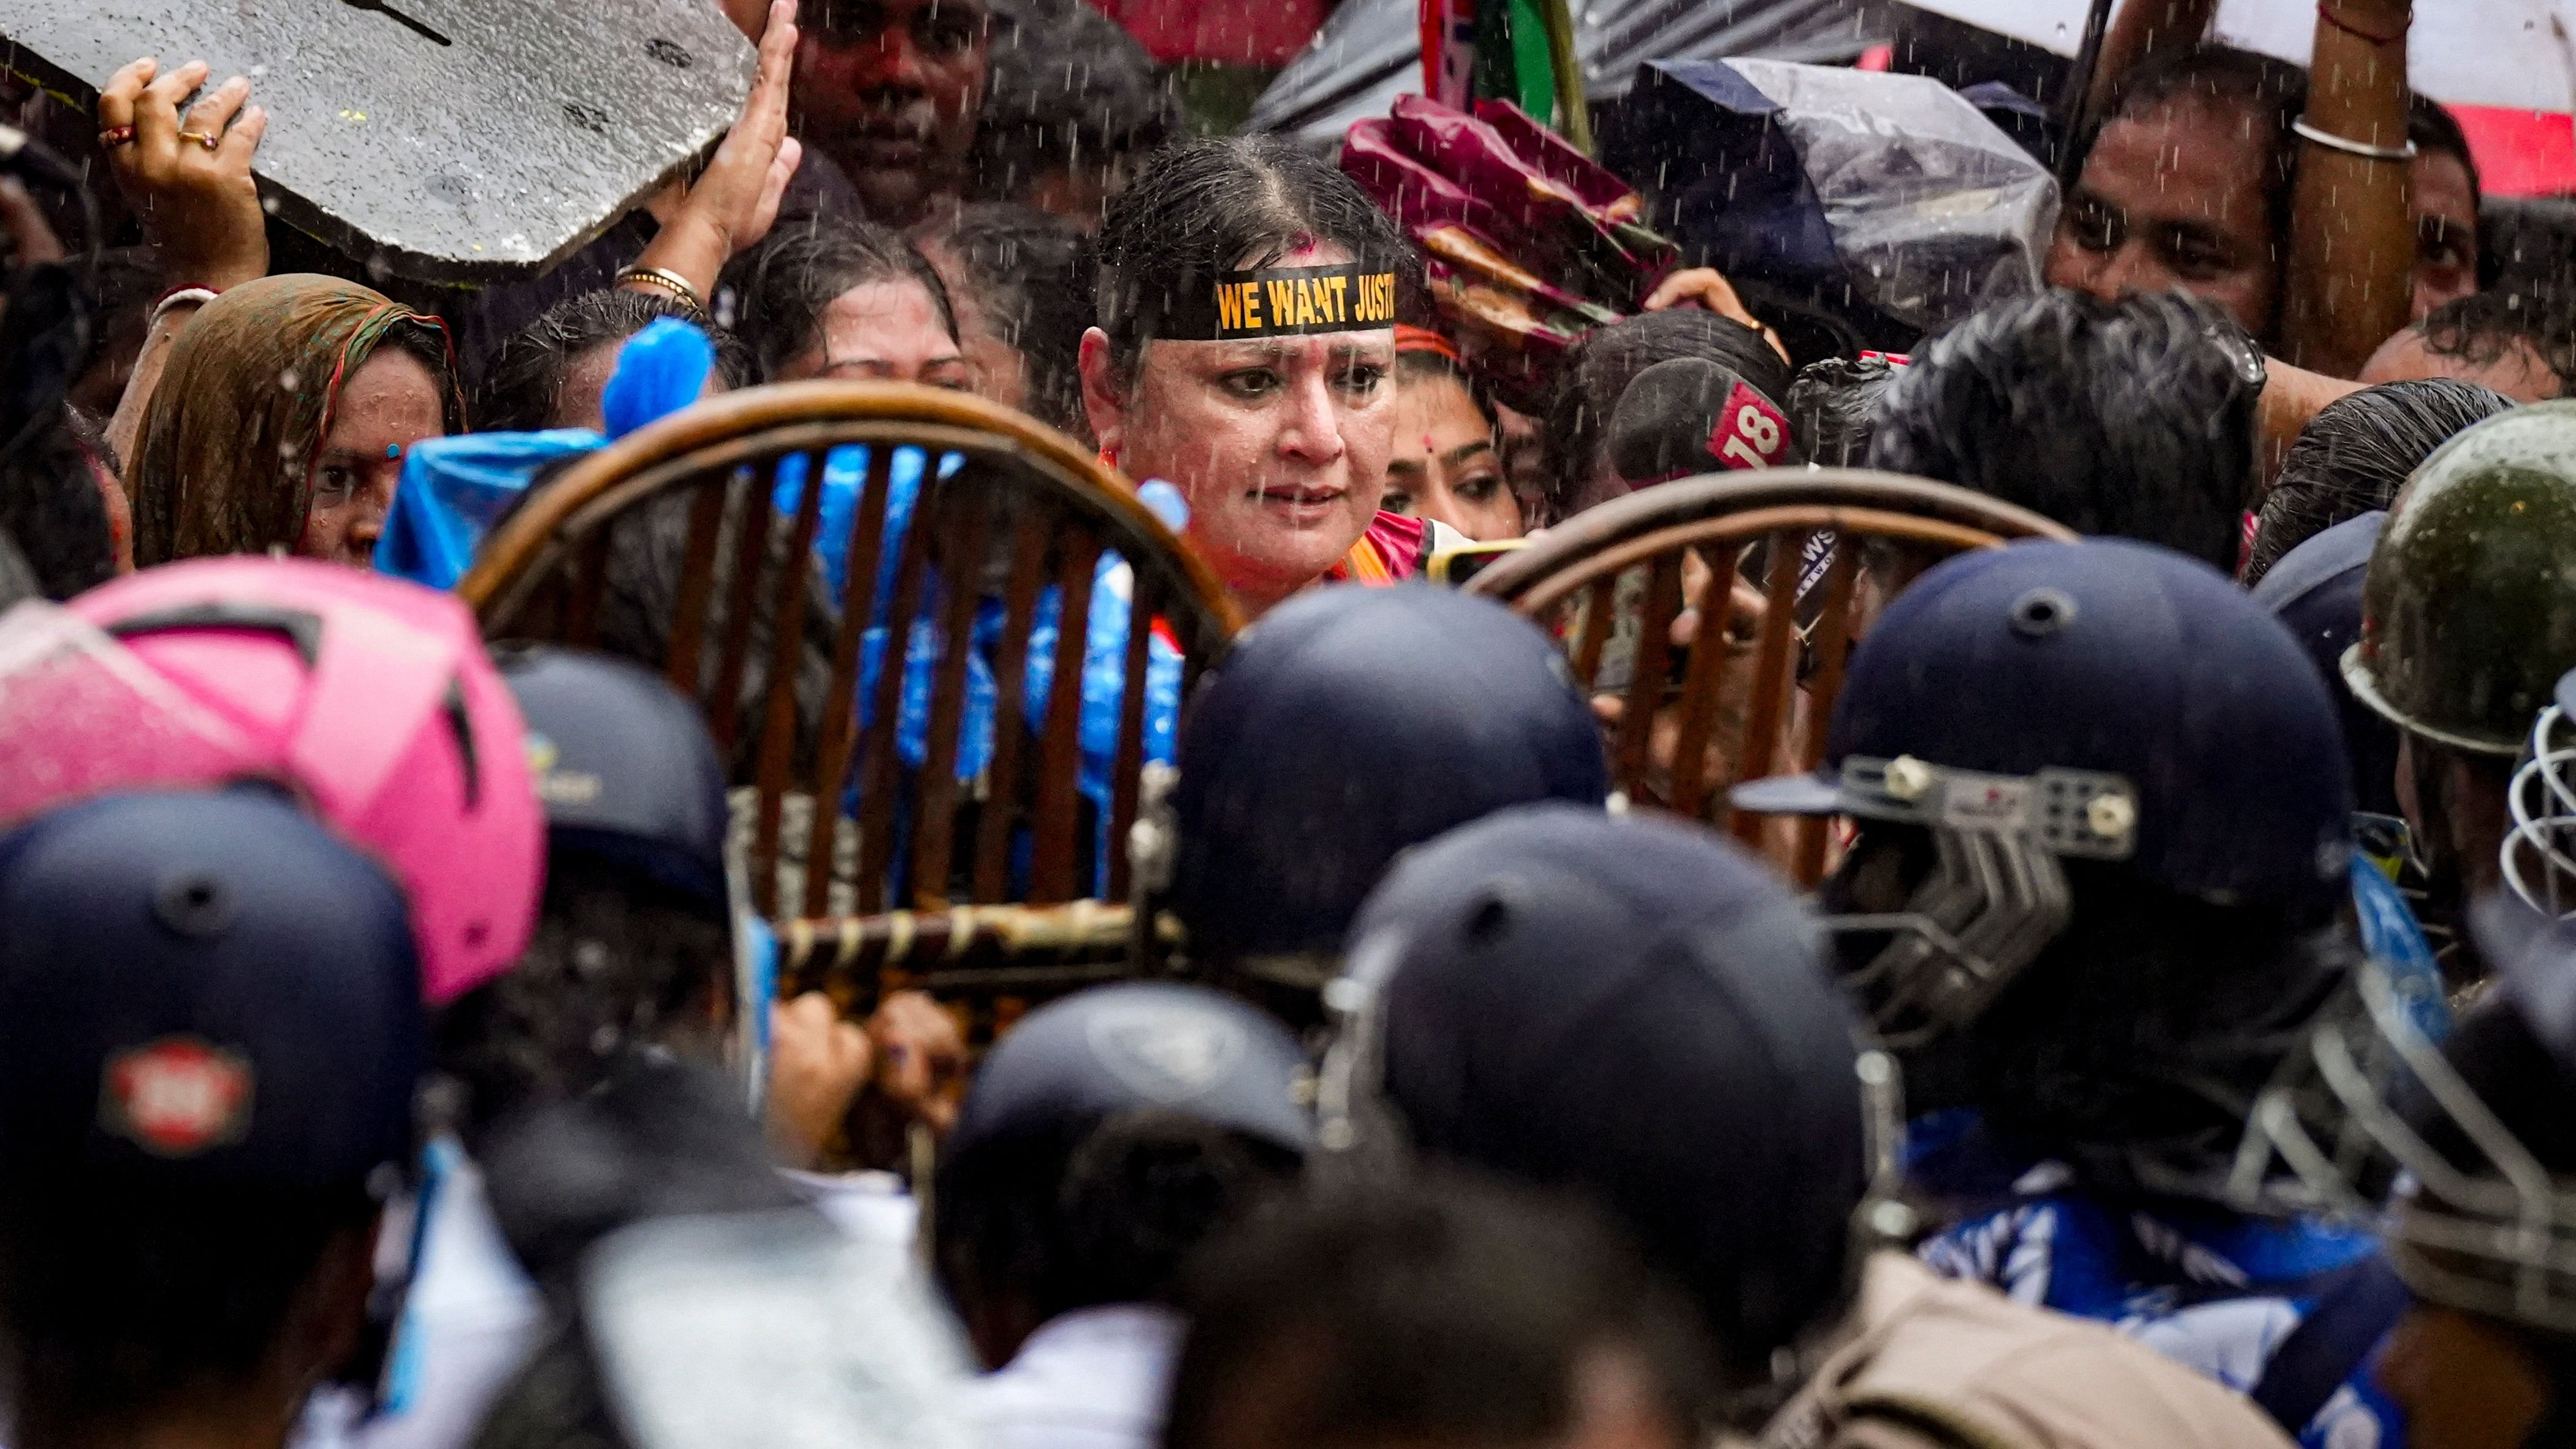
<point x="472" y="1316"/>
<point x="1095" y="1378"/>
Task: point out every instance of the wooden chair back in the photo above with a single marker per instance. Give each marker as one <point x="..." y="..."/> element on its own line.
<point x="1745" y="555"/>
<point x="665" y="546"/>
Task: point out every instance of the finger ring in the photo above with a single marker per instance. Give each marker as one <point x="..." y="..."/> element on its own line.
<point x="207" y="139"/>
<point x="115" y="136"/>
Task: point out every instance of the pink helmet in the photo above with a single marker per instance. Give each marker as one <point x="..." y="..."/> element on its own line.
<point x="369" y="697"/>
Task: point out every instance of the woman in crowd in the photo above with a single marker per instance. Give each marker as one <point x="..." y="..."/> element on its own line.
<point x="1445" y="464"/>
<point x="852" y="301"/>
<point x="281" y="422"/>
<point x="1245" y="354"/>
<point x="553" y="372"/>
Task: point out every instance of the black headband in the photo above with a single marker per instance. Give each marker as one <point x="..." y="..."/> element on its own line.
<point x="1277" y="302"/>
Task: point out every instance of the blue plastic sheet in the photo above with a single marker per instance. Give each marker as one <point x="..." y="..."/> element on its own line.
<point x="1103" y="681"/>
<point x="453" y="490"/>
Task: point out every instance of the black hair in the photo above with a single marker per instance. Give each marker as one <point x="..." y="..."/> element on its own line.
<point x="527" y="371"/>
<point x="1082" y="1213"/>
<point x="1030" y="273"/>
<point x="1225" y="203"/>
<point x="1441" y="1310"/>
<point x="2483" y="328"/>
<point x="774" y="295"/>
<point x="51" y="508"/>
<point x="1599" y="366"/>
<point x="117" y="1296"/>
<point x="2132" y="418"/>
<point x="2355" y="454"/>
<point x="1834" y="406"/>
<point x="618" y="965"/>
<point x="1067" y="88"/>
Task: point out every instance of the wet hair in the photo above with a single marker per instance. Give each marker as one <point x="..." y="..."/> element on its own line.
<point x="618" y="965"/>
<point x="527" y="372"/>
<point x="1077" y="1214"/>
<point x="2270" y="92"/>
<point x="1834" y="406"/>
<point x="1225" y="203"/>
<point x="1599" y="366"/>
<point x="1067" y="88"/>
<point x="1437" y="1310"/>
<point x="2483" y="328"/>
<point x="2355" y="454"/>
<point x="117" y="1297"/>
<point x="774" y="295"/>
<point x="1030" y="273"/>
<point x="2130" y="418"/>
<point x="51" y="508"/>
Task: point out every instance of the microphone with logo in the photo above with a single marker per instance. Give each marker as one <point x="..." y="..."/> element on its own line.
<point x="1689" y="415"/>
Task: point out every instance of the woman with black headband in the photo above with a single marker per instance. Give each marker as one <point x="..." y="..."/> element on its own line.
<point x="1246" y="354"/>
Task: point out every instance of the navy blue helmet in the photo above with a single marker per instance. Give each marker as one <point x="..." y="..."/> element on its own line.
<point x="623" y="766"/>
<point x="202" y="989"/>
<point x="2315" y="589"/>
<point x="1634" y="1009"/>
<point x="2103" y="701"/>
<point x="1131" y="1047"/>
<point x="1347" y="725"/>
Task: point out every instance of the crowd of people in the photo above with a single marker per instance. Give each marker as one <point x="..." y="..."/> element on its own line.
<point x="2180" y="1048"/>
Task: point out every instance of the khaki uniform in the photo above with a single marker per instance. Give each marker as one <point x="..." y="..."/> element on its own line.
<point x="1931" y="1363"/>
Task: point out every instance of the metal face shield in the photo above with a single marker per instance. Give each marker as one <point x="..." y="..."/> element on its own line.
<point x="2484" y="1227"/>
<point x="1996" y="894"/>
<point x="2539" y="851"/>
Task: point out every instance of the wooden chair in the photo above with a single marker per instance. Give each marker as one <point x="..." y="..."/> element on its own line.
<point x="986" y="964"/>
<point x="1758" y="550"/>
<point x="665" y="546"/>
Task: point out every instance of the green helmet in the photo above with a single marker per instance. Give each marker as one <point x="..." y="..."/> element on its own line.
<point x="2468" y="613"/>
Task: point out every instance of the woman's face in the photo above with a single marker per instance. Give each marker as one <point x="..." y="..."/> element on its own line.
<point x="1443" y="463"/>
<point x="883" y="331"/>
<point x="2173" y="198"/>
<point x="388" y="404"/>
<point x="1279" y="444"/>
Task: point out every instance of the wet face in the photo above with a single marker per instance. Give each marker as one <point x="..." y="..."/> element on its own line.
<point x="995" y="368"/>
<point x="886" y="331"/>
<point x="1443" y="463"/>
<point x="2170" y="199"/>
<point x="1280" y="444"/>
<point x="2519" y="373"/>
<point x="388" y="404"/>
<point x="890" y="90"/>
<point x="2445" y="211"/>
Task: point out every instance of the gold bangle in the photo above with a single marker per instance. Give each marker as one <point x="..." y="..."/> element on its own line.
<point x="669" y="281"/>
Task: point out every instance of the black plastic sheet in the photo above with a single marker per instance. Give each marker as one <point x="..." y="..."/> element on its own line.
<point x="447" y="140"/>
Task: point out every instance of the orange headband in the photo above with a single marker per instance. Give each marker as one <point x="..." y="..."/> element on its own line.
<point x="1423" y="339"/>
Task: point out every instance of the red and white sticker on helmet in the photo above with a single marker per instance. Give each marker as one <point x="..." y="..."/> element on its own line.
<point x="176" y="1097"/>
<point x="1749" y="432"/>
